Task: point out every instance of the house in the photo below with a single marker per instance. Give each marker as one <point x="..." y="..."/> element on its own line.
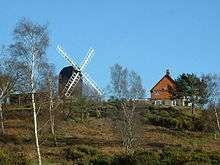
<point x="161" y="95"/>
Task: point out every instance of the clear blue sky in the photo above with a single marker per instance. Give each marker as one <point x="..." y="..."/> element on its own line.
<point x="143" y="35"/>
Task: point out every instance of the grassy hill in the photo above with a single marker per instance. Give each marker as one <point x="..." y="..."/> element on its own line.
<point x="168" y="135"/>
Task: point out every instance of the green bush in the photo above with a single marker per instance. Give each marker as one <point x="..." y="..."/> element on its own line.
<point x="83" y="154"/>
<point x="181" y="119"/>
<point x="124" y="159"/>
<point x="174" y="119"/>
<point x="102" y="161"/>
<point x="207" y="121"/>
<point x="174" y="155"/>
<point x="137" y="158"/>
<point x="165" y="156"/>
<point x="9" y="158"/>
<point x="73" y="154"/>
<point x="167" y="122"/>
<point x="88" y="150"/>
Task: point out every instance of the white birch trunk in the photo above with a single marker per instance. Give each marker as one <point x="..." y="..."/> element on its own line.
<point x="35" y="129"/>
<point x="2" y="119"/>
<point x="52" y="118"/>
<point x="34" y="110"/>
<point x="128" y="129"/>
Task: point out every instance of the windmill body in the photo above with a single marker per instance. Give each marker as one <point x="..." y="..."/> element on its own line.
<point x="64" y="76"/>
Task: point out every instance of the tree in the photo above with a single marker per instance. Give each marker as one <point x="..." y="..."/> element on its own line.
<point x="136" y="90"/>
<point x="8" y="80"/>
<point x="29" y="49"/>
<point x="213" y="91"/>
<point x="119" y="82"/>
<point x="192" y="88"/>
<point x="127" y="88"/>
<point x="50" y="85"/>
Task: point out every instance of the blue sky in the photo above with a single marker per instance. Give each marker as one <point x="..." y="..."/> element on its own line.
<point x="143" y="35"/>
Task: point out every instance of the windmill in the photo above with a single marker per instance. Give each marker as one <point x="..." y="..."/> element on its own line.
<point x="78" y="73"/>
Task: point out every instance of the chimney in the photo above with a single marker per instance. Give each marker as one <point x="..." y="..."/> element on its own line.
<point x="168" y="72"/>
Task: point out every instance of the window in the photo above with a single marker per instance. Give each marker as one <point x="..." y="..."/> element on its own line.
<point x="165" y="88"/>
<point x="174" y="103"/>
<point x="158" y="102"/>
<point x="157" y="92"/>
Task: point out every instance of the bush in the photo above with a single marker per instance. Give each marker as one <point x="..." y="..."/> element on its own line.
<point x="167" y="122"/>
<point x="137" y="158"/>
<point x="207" y="122"/>
<point x="175" y="156"/>
<point x="181" y="119"/>
<point x="88" y="150"/>
<point x="82" y="154"/>
<point x="9" y="158"/>
<point x="166" y="156"/>
<point x="102" y="161"/>
<point x="173" y="119"/>
<point x="73" y="154"/>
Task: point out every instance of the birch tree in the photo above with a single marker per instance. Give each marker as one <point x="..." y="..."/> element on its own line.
<point x="50" y="85"/>
<point x="119" y="82"/>
<point x="8" y="78"/>
<point x="127" y="88"/>
<point x="213" y="93"/>
<point x="29" y="49"/>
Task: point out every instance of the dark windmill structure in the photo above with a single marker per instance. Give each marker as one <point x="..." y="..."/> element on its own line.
<point x="64" y="77"/>
<point x="73" y="79"/>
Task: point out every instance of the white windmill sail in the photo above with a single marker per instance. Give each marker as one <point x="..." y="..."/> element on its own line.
<point x="61" y="51"/>
<point x="92" y="83"/>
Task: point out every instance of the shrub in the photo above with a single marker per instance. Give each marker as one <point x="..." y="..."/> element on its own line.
<point x="199" y="156"/>
<point x="102" y="161"/>
<point x="181" y="119"/>
<point x="173" y="119"/>
<point x="137" y="158"/>
<point x="207" y="122"/>
<point x="215" y="157"/>
<point x="9" y="158"/>
<point x="124" y="159"/>
<point x="73" y="154"/>
<point x="175" y="156"/>
<point x="167" y="122"/>
<point x="88" y="150"/>
<point x="83" y="154"/>
<point x="167" y="156"/>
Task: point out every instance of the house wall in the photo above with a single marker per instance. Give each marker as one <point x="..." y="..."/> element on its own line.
<point x="160" y="91"/>
<point x="175" y="102"/>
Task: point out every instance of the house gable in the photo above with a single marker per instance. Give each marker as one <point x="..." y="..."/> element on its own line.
<point x="161" y="90"/>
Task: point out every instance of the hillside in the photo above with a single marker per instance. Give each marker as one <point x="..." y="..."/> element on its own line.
<point x="161" y="129"/>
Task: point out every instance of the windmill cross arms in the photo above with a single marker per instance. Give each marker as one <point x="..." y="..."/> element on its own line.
<point x="92" y="83"/>
<point x="85" y="62"/>
<point x="61" y="51"/>
<point x="74" y="79"/>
